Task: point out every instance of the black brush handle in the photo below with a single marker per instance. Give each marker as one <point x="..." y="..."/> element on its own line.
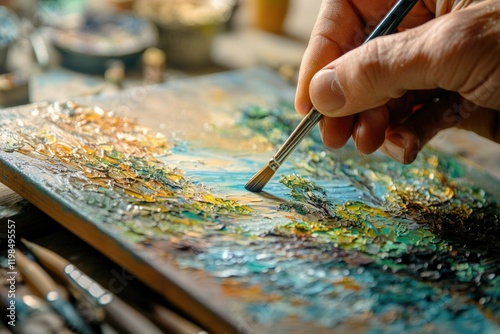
<point x="387" y="26"/>
<point x="391" y="21"/>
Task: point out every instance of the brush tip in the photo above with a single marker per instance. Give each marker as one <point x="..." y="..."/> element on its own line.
<point x="260" y="179"/>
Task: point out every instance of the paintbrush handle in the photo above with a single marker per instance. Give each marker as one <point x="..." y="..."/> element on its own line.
<point x="305" y="126"/>
<point x="387" y="26"/>
<point x="127" y="320"/>
<point x="46" y="287"/>
<point x="391" y="20"/>
<point x="69" y="314"/>
<point x="119" y="314"/>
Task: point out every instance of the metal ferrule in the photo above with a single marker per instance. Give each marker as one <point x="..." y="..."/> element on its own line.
<point x="305" y="126"/>
<point x="273" y="164"/>
<point x="87" y="287"/>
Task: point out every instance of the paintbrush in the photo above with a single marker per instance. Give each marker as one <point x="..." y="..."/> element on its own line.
<point x="119" y="314"/>
<point x="387" y="26"/>
<point x="46" y="287"/>
<point x="171" y="322"/>
<point x="29" y="314"/>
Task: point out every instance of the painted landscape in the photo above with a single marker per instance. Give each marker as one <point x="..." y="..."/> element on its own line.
<point x="335" y="242"/>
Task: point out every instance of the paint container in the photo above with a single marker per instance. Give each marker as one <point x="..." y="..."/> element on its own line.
<point x="268" y="15"/>
<point x="90" y="42"/>
<point x="187" y="28"/>
<point x="14" y="89"/>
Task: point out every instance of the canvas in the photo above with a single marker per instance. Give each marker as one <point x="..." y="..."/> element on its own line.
<point x="154" y="178"/>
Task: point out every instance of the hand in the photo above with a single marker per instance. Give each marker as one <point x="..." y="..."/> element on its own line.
<point x="396" y="92"/>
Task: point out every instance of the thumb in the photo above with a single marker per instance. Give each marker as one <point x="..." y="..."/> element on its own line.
<point x="369" y="76"/>
<point x="439" y="54"/>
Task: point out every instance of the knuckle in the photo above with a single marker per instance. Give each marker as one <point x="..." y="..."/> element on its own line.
<point x="461" y="46"/>
<point x="374" y="64"/>
<point x="484" y="89"/>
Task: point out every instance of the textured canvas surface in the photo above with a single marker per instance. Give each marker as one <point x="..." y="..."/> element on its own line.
<point x="154" y="178"/>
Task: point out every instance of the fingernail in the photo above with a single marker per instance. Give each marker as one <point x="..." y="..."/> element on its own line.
<point x="356" y="133"/>
<point x="395" y="147"/>
<point x="329" y="94"/>
<point x="355" y="137"/>
<point x="321" y="130"/>
<point x="412" y="156"/>
<point x="303" y="108"/>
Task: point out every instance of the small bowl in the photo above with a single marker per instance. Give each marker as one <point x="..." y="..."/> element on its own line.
<point x="187" y="27"/>
<point x="188" y="46"/>
<point x="90" y="42"/>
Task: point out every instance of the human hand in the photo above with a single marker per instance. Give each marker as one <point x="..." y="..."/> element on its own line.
<point x="396" y="92"/>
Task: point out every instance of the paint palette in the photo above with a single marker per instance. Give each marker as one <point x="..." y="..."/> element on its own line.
<point x="154" y="179"/>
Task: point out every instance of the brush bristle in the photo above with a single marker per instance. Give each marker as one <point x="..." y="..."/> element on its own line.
<point x="260" y="179"/>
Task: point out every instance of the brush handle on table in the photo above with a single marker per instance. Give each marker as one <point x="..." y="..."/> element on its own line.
<point x="119" y="314"/>
<point x="66" y="310"/>
<point x="127" y="320"/>
<point x="47" y="288"/>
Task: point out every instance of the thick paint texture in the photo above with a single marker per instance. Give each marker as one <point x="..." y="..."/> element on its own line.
<point x="359" y="244"/>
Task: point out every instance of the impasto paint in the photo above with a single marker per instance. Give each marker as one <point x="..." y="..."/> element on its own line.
<point x="337" y="241"/>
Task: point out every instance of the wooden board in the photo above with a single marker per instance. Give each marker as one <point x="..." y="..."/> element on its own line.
<point x="269" y="262"/>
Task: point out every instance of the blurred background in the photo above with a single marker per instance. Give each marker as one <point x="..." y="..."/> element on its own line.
<point x="59" y="49"/>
